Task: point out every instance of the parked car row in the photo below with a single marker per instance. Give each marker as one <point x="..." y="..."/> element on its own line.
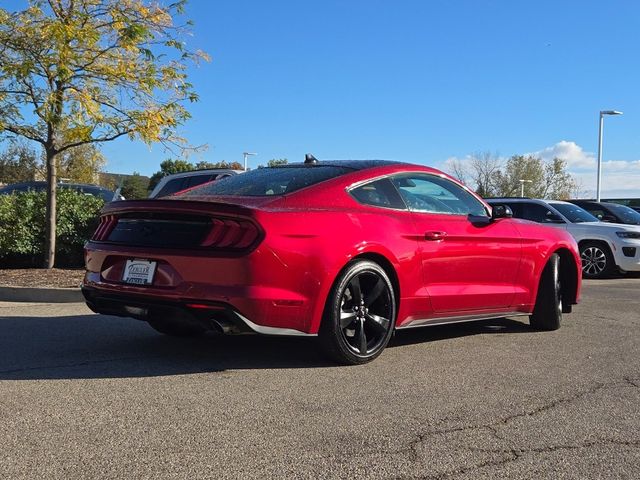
<point x="604" y="246"/>
<point x="167" y="186"/>
<point x="40" y="186"/>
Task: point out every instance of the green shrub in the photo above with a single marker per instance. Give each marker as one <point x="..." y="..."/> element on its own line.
<point x="22" y="227"/>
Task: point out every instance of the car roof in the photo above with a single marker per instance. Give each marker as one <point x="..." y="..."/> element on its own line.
<point x="202" y="171"/>
<point x="352" y="164"/>
<point x="525" y="199"/>
<point x="514" y="199"/>
<point x="593" y="202"/>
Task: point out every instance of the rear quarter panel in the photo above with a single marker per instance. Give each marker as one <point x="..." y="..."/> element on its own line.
<point x="310" y="249"/>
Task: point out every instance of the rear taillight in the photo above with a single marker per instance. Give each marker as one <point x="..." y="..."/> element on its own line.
<point x="231" y="234"/>
<point x="107" y="222"/>
<point x="178" y="231"/>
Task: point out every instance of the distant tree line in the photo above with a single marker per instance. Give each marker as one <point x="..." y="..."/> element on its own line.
<point x="20" y="162"/>
<point x="491" y="176"/>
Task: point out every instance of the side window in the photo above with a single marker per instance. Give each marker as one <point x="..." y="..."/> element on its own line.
<point x="536" y="213"/>
<point x="516" y="208"/>
<point x="380" y="193"/>
<point x="430" y="193"/>
<point x="596" y="212"/>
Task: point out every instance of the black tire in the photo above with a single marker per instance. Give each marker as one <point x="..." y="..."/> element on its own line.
<point x="360" y="314"/>
<point x="597" y="260"/>
<point x="174" y="328"/>
<point x="547" y="312"/>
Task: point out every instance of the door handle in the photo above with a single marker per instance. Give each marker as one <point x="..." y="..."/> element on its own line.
<point x="435" y="235"/>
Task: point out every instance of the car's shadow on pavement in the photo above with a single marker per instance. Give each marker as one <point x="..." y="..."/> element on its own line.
<point x="455" y="330"/>
<point x="98" y="346"/>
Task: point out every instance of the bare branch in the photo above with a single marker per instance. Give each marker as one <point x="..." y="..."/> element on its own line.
<point x="23" y="131"/>
<point x="107" y="138"/>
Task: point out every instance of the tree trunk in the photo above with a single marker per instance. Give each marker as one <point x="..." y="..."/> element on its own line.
<point x="52" y="180"/>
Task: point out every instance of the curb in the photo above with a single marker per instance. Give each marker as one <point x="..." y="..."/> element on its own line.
<point x="41" y="295"/>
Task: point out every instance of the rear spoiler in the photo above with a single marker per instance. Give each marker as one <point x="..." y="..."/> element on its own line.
<point x="186" y="206"/>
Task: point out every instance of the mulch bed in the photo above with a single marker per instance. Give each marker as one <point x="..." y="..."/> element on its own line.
<point x="41" y="277"/>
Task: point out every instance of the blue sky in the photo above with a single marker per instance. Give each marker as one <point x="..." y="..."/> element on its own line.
<point x="418" y="81"/>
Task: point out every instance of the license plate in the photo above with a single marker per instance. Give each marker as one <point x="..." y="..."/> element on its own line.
<point x="139" y="272"/>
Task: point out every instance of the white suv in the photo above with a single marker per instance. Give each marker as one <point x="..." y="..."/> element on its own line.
<point x="603" y="246"/>
<point x="181" y="181"/>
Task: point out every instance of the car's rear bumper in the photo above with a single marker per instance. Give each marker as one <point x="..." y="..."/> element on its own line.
<point x="217" y="316"/>
<point x="258" y="287"/>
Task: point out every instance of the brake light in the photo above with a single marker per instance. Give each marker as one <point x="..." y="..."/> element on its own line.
<point x="107" y="222"/>
<point x="231" y="234"/>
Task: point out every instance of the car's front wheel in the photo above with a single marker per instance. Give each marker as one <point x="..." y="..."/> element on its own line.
<point x="597" y="260"/>
<point x="547" y="312"/>
<point x="360" y="314"/>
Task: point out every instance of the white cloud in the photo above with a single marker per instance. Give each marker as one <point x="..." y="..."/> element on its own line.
<point x="571" y="152"/>
<point x="621" y="183"/>
<point x="619" y="177"/>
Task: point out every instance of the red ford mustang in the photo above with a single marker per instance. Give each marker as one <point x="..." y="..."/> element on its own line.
<point x="348" y="251"/>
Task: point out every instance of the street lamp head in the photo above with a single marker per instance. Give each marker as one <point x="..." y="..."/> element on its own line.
<point x="610" y="112"/>
<point x="246" y="155"/>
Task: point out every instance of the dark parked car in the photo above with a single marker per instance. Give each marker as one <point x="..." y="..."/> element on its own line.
<point x="348" y="251"/>
<point x="610" y="212"/>
<point x="40" y="186"/>
<point x="629" y="202"/>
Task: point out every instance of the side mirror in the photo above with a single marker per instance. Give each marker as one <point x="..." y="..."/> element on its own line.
<point x="553" y="218"/>
<point x="501" y="211"/>
<point x="608" y="218"/>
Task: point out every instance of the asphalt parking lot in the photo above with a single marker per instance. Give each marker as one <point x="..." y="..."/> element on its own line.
<point x="83" y="395"/>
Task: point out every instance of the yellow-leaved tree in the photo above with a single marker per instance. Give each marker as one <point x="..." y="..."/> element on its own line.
<point x="79" y="72"/>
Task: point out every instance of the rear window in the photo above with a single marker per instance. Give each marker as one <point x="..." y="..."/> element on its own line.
<point x="268" y="181"/>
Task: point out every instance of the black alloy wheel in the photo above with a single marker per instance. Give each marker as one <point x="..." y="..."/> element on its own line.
<point x="547" y="312"/>
<point x="360" y="315"/>
<point x="597" y="261"/>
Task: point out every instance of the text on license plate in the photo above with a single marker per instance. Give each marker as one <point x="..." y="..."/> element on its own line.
<point x="139" y="272"/>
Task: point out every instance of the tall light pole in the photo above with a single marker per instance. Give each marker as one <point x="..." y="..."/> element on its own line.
<point x="522" y="182"/>
<point x="602" y="114"/>
<point x="245" y="155"/>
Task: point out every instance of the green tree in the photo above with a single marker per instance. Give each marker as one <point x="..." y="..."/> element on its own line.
<point x="169" y="167"/>
<point x="543" y="179"/>
<point x="559" y="183"/>
<point x="18" y="163"/>
<point x="520" y="167"/>
<point x="223" y="164"/>
<point x="135" y="187"/>
<point x="274" y="162"/>
<point x="81" y="164"/>
<point x="76" y="72"/>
